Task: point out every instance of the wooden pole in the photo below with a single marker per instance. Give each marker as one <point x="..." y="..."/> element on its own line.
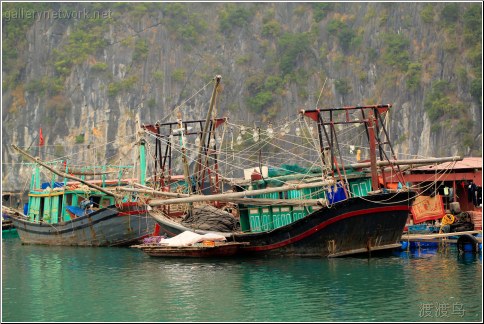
<point x="247" y="201"/>
<point x="204" y="133"/>
<point x="407" y="162"/>
<point x="65" y="175"/>
<point x="371" y="134"/>
<point x="229" y="196"/>
<point x="153" y="192"/>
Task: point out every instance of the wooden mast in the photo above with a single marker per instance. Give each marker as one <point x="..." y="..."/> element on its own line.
<point x="371" y="137"/>
<point x="198" y="164"/>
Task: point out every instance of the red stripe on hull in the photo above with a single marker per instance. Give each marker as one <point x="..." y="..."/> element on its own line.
<point x="133" y="212"/>
<point x="323" y="225"/>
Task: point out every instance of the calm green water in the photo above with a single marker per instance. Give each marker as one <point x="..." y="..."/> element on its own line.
<point x="124" y="285"/>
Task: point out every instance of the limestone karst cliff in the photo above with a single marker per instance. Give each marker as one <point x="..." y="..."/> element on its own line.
<point x="82" y="71"/>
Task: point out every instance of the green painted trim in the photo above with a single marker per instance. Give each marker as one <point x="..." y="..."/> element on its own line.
<point x="142" y="164"/>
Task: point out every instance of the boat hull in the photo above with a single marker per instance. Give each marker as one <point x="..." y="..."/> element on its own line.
<point x="106" y="227"/>
<point x="217" y="251"/>
<point x="356" y="225"/>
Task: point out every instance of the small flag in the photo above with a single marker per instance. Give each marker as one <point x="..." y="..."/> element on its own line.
<point x="41" y="138"/>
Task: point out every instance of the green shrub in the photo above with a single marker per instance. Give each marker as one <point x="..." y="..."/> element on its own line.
<point x="234" y="16"/>
<point x="46" y="85"/>
<point x="473" y="25"/>
<point x="476" y="89"/>
<point x="342" y="87"/>
<point x="271" y="28"/>
<point x="450" y="14"/>
<point x="292" y="46"/>
<point x="80" y="139"/>
<point x="114" y="88"/>
<point x="99" y="67"/>
<point x="427" y="13"/>
<point x="396" y="51"/>
<point x="158" y="76"/>
<point x="260" y="101"/>
<point x="414" y="75"/>
<point x="321" y="10"/>
<point x="178" y="75"/>
<point x="140" y="50"/>
<point x="343" y="32"/>
<point x="436" y="103"/>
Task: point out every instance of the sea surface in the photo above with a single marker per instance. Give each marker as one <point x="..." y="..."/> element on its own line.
<point x="74" y="284"/>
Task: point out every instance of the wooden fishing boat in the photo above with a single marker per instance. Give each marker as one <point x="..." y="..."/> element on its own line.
<point x="80" y="212"/>
<point x="332" y="210"/>
<point x="199" y="250"/>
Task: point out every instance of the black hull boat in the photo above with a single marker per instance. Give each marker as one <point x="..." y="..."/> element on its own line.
<point x="320" y="206"/>
<point x="356" y="225"/>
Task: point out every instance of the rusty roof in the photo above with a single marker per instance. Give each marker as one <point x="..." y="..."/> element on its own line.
<point x="466" y="163"/>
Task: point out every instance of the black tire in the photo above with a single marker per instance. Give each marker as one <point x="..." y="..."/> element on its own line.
<point x="467" y="239"/>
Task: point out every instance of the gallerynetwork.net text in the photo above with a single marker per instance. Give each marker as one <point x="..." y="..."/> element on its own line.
<point x="22" y="13"/>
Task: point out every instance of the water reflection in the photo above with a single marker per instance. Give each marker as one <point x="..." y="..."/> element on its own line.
<point x="117" y="284"/>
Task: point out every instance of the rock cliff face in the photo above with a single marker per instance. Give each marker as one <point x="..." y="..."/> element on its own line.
<point x="83" y="79"/>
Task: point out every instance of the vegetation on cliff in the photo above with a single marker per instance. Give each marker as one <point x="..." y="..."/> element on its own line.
<point x="274" y="57"/>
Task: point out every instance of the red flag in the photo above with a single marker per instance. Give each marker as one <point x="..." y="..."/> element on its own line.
<point x="41" y="138"/>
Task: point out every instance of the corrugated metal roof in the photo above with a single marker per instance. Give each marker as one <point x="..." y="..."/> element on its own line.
<point x="466" y="163"/>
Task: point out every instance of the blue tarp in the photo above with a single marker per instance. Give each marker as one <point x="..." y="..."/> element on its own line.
<point x="46" y="185"/>
<point x="78" y="211"/>
<point x="334" y="197"/>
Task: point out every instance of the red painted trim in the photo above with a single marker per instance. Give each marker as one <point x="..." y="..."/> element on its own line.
<point x="132" y="212"/>
<point x="325" y="224"/>
<point x="156" y="232"/>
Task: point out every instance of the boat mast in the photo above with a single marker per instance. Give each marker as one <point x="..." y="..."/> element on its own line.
<point x="202" y="146"/>
<point x="371" y="138"/>
<point x="186" y="172"/>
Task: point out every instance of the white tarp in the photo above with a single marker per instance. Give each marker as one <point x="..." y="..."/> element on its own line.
<point x="188" y="238"/>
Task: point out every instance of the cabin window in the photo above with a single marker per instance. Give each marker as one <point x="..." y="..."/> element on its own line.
<point x="59" y="209"/>
<point x="96" y="200"/>
<point x="69" y="200"/>
<point x="41" y="209"/>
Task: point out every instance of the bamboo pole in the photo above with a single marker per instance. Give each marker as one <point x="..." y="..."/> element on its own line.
<point x="63" y="174"/>
<point x="230" y="196"/>
<point x="409" y="162"/>
<point x="247" y="201"/>
<point x="153" y="192"/>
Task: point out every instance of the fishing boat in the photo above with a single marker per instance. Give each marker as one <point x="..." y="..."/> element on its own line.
<point x="192" y="245"/>
<point x="328" y="208"/>
<point x="80" y="212"/>
<point x="10" y="208"/>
